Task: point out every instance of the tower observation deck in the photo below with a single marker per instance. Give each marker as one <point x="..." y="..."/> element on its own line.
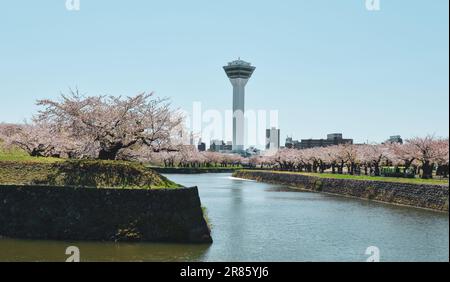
<point x="239" y="72"/>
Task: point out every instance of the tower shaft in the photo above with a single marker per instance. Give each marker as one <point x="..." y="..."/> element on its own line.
<point x="238" y="112"/>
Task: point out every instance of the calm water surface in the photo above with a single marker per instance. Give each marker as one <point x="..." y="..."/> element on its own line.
<point x="254" y="221"/>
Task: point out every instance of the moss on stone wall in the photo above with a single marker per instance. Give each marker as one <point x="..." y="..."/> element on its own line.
<point x="71" y="213"/>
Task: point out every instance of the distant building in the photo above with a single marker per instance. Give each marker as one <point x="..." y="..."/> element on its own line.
<point x="252" y="151"/>
<point x="332" y="139"/>
<point x="228" y="146"/>
<point x="395" y="139"/>
<point x="216" y="145"/>
<point x="201" y="146"/>
<point x="334" y="136"/>
<point x="291" y="144"/>
<point x="272" y="139"/>
<point x="220" y="146"/>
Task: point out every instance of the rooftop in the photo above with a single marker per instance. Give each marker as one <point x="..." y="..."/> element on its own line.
<point x="239" y="69"/>
<point x="239" y="62"/>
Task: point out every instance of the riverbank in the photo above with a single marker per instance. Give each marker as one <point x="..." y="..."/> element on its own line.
<point x="194" y="170"/>
<point x="427" y="196"/>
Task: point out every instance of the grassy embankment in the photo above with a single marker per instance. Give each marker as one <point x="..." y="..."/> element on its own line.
<point x="17" y="167"/>
<point x="365" y="177"/>
<point x="194" y="170"/>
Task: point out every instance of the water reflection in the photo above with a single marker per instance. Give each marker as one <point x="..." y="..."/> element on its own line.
<point x="54" y="251"/>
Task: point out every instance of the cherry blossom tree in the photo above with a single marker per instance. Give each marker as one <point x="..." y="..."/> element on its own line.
<point x="332" y="156"/>
<point x="428" y="151"/>
<point x="373" y="156"/>
<point x="35" y="139"/>
<point x="7" y="129"/>
<point x="403" y="154"/>
<point x="114" y="123"/>
<point x="442" y="157"/>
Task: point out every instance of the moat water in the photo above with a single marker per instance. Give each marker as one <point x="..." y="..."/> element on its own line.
<point x="254" y="221"/>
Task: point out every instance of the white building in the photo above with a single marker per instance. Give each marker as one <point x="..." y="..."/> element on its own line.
<point x="272" y="139"/>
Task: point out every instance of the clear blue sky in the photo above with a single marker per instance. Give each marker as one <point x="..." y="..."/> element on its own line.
<point x="327" y="66"/>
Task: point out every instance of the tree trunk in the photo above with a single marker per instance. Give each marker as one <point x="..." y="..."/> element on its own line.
<point x="341" y="168"/>
<point x="427" y="170"/>
<point x="377" y="169"/>
<point x="110" y="151"/>
<point x="314" y="168"/>
<point x="36" y="153"/>
<point x="106" y="154"/>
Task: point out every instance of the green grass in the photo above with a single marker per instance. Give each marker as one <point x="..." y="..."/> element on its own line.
<point x="84" y="173"/>
<point x="17" y="167"/>
<point x="16" y="154"/>
<point x="372" y="178"/>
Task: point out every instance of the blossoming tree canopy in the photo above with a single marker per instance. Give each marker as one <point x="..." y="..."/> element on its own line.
<point x="99" y="126"/>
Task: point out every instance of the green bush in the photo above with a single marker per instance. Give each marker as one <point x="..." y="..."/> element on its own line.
<point x="397" y="172"/>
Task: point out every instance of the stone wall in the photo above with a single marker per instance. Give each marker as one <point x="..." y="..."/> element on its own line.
<point x="68" y="213"/>
<point x="427" y="196"/>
